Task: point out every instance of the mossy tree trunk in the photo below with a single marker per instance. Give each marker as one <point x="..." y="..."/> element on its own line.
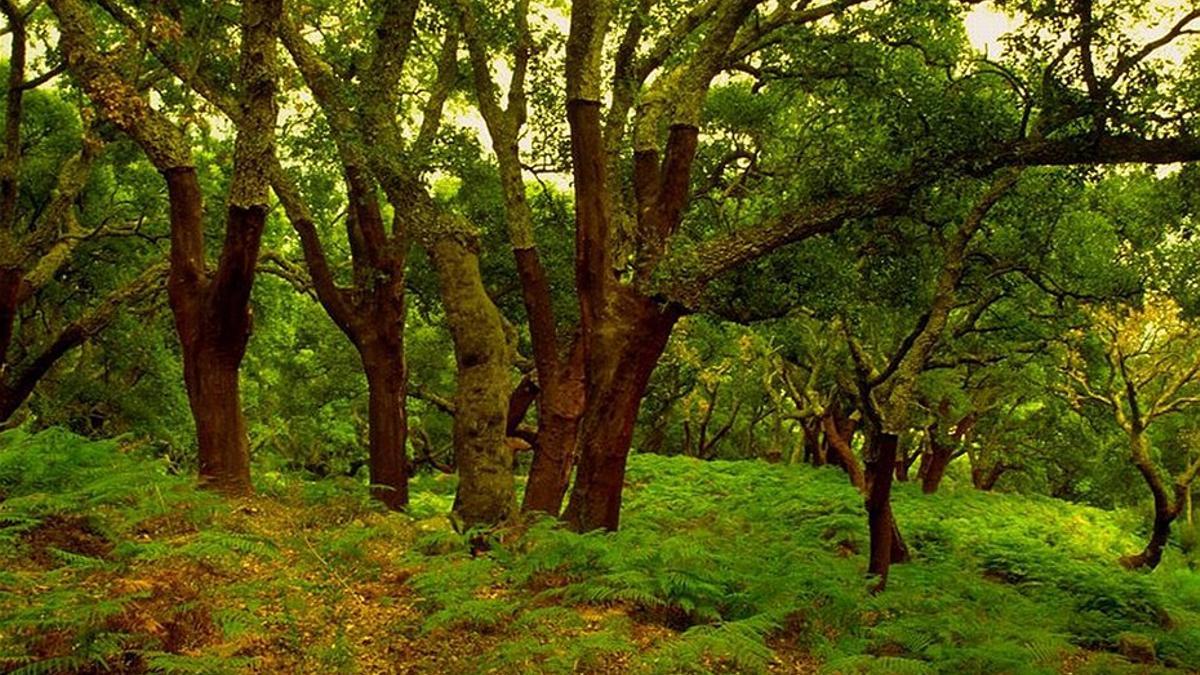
<point x="36" y="245"/>
<point x="486" y="494"/>
<point x="1166" y="509"/>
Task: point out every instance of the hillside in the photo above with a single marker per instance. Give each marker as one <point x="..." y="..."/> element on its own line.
<point x="112" y="564"/>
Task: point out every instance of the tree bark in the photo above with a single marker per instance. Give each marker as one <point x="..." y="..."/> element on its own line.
<point x="211" y="378"/>
<point x="485" y="494"/>
<point x="11" y="279"/>
<point x="1165" y="511"/>
<point x="840" y="452"/>
<point x="212" y="315"/>
<point x="625" y="348"/>
<point x="887" y="546"/>
<point x="1160" y="534"/>
<point x="984" y="478"/>
<point x="1187" y="507"/>
<point x="933" y="464"/>
<point x="20" y="379"/>
<point x="814" y="452"/>
<point x="213" y="322"/>
<point x="387" y="425"/>
<point x="559" y="411"/>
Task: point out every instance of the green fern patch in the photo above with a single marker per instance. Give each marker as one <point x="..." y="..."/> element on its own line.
<point x="112" y="563"/>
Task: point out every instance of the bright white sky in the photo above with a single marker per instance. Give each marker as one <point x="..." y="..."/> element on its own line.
<point x="986" y="25"/>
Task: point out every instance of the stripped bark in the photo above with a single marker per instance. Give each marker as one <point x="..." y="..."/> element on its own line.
<point x="211" y="311"/>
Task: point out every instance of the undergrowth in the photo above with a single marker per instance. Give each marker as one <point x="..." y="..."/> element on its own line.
<point x="736" y="559"/>
<point x="110" y="563"/>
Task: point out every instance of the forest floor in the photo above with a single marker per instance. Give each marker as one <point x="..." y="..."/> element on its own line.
<point x="112" y="564"/>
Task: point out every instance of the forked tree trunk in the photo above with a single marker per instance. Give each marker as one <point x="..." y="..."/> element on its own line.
<point x="933" y="465"/>
<point x="212" y="319"/>
<point x="485" y="494"/>
<point x="559" y="411"/>
<point x="985" y="479"/>
<point x="938" y="455"/>
<point x="211" y="314"/>
<point x="376" y="327"/>
<point x="840" y="452"/>
<point x="622" y="355"/>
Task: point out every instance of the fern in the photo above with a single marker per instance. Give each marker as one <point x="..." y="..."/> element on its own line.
<point x="883" y="665"/>
<point x="176" y="664"/>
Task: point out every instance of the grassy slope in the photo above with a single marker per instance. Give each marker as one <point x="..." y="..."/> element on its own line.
<point x="108" y="562"/>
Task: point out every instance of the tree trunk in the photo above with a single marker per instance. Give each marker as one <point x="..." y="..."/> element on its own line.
<point x="212" y="319"/>
<point x="1164" y="515"/>
<point x="387" y="425"/>
<point x="486" y="494"/>
<point x="814" y="452"/>
<point x="933" y="466"/>
<point x="887" y="546"/>
<point x="840" y="449"/>
<point x="1164" y="511"/>
<point x="11" y="279"/>
<point x="622" y="353"/>
<point x="1187" y="506"/>
<point x="984" y="478"/>
<point x="19" y="379"/>
<point x="212" y="386"/>
<point x="559" y="410"/>
<point x="211" y="312"/>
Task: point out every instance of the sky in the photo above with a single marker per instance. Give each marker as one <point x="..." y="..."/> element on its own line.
<point x="986" y="25"/>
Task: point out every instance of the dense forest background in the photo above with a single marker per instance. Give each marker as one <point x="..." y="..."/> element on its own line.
<point x="599" y="335"/>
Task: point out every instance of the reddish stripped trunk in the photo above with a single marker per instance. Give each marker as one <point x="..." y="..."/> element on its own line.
<point x="985" y="479"/>
<point x="213" y="322"/>
<point x="933" y="465"/>
<point x="387" y="424"/>
<point x="211" y="377"/>
<point x="622" y="354"/>
<point x="1160" y="534"/>
<point x="887" y="546"/>
<point x="938" y="456"/>
<point x="559" y="410"/>
<point x="375" y="325"/>
<point x="553" y="458"/>
<point x="840" y="452"/>
<point x="1165" y="511"/>
<point x="560" y="392"/>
